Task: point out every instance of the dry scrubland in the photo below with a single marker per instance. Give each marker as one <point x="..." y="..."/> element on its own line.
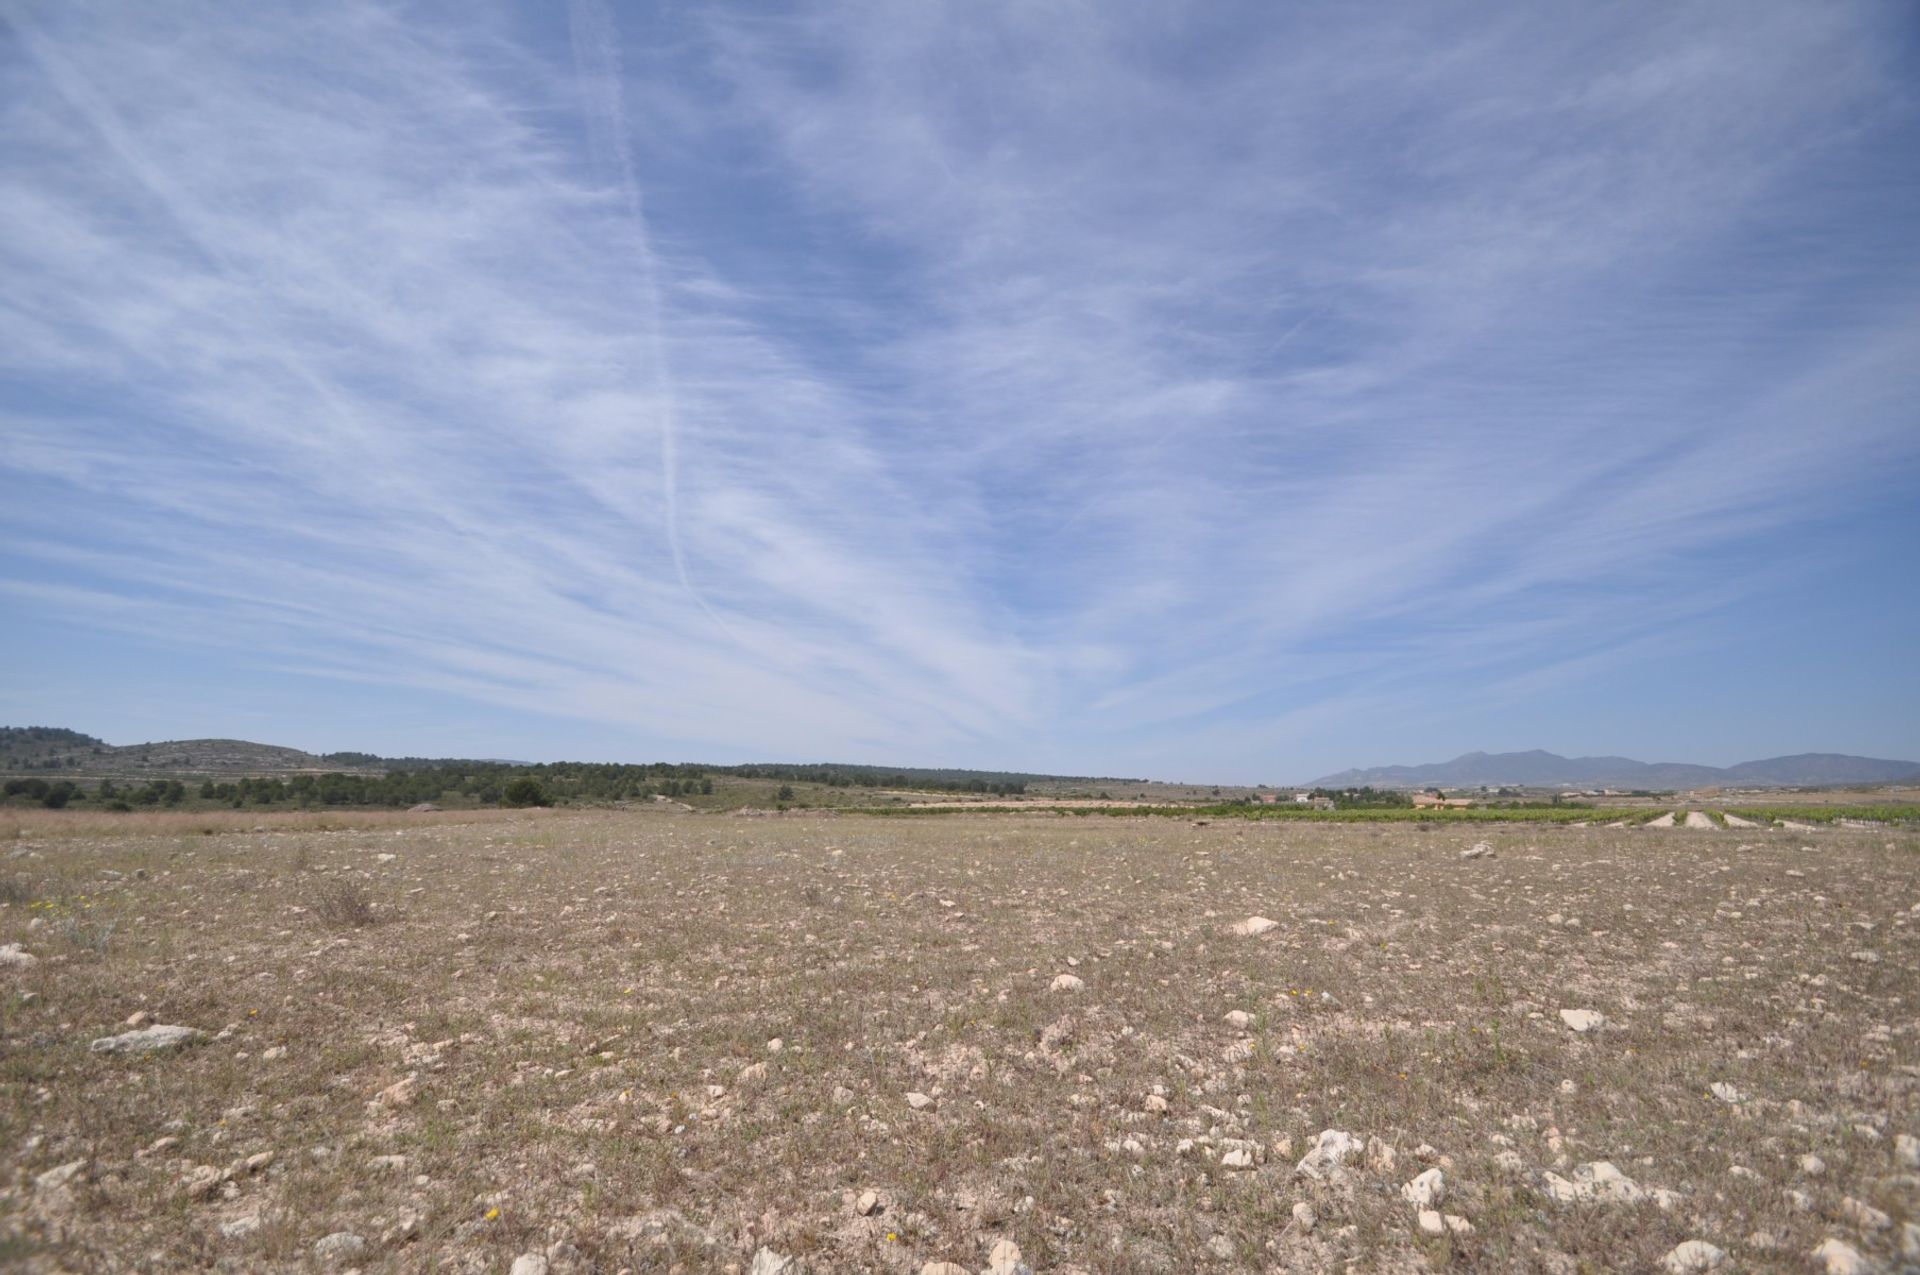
<point x="554" y="1042"/>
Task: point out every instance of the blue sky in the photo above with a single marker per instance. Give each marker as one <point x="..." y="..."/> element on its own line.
<point x="1237" y="394"/>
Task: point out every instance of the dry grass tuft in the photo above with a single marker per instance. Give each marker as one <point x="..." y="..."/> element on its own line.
<point x="16" y="889"/>
<point x="342" y="902"/>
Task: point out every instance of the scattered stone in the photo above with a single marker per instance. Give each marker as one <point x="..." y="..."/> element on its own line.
<point x="341" y="1246"/>
<point x="56" y="1178"/>
<point x="240" y="1227"/>
<point x="1864" y="1215"/>
<point x="14" y="956"/>
<point x="944" y="1268"/>
<point x="1067" y="983"/>
<point x="768" y="1262"/>
<point x="1221" y="1248"/>
<point x="203" y="1181"/>
<point x="274" y="1054"/>
<point x="1254" y="926"/>
<point x="1726" y="1093"/>
<point x="406" y="1227"/>
<point x="147" y="1040"/>
<point x="1837" y="1257"/>
<point x="1381" y="1157"/>
<point x="868" y="1204"/>
<point x="139" y="1018"/>
<point x="1425" y="1191"/>
<point x="1457" y="1224"/>
<point x="1812" y="1165"/>
<point x="1693" y="1256"/>
<point x="530" y="1264"/>
<point x="1601" y="1182"/>
<point x="919" y="1101"/>
<point x="1906" y="1149"/>
<point x="400" y="1094"/>
<point x="1431" y="1223"/>
<point x="1303" y="1217"/>
<point x="1004" y="1259"/>
<point x="1330" y="1152"/>
<point x="1583" y="1020"/>
<point x="1240" y="1020"/>
<point x="1478" y="850"/>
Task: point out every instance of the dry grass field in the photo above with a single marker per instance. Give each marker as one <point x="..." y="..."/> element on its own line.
<point x="579" y="1042"/>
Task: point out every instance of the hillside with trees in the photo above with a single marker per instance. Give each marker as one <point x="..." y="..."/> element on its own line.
<point x="59" y="767"/>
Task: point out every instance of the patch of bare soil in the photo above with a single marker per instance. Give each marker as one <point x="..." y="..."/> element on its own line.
<point x="612" y="1042"/>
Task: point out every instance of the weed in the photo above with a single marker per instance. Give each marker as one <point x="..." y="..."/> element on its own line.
<point x="344" y="902"/>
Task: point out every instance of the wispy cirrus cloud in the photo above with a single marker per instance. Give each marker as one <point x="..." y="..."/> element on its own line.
<point x="963" y="383"/>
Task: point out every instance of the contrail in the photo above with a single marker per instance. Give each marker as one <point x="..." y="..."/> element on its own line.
<point x="596" y="57"/>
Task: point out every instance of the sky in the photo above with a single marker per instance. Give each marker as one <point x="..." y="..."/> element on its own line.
<point x="1235" y="392"/>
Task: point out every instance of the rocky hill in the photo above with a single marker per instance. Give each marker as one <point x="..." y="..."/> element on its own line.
<point x="46" y="747"/>
<point x="52" y="750"/>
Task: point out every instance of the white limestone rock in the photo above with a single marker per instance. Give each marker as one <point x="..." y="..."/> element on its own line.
<point x="1692" y="1257"/>
<point x="147" y="1040"/>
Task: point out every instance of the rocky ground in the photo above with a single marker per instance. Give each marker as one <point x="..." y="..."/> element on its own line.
<point x="651" y="1042"/>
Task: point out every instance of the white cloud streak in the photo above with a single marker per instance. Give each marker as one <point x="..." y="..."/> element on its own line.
<point x="1090" y="385"/>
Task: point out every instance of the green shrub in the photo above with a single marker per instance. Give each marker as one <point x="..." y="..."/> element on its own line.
<point x="525" y="791"/>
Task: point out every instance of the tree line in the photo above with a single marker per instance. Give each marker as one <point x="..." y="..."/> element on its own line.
<point x="58" y="794"/>
<point x="487" y="784"/>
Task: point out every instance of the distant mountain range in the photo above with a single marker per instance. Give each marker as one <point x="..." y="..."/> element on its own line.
<point x="45" y="748"/>
<point x="1537" y="769"/>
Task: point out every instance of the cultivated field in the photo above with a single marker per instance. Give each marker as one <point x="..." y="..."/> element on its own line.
<point x="648" y="1042"/>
